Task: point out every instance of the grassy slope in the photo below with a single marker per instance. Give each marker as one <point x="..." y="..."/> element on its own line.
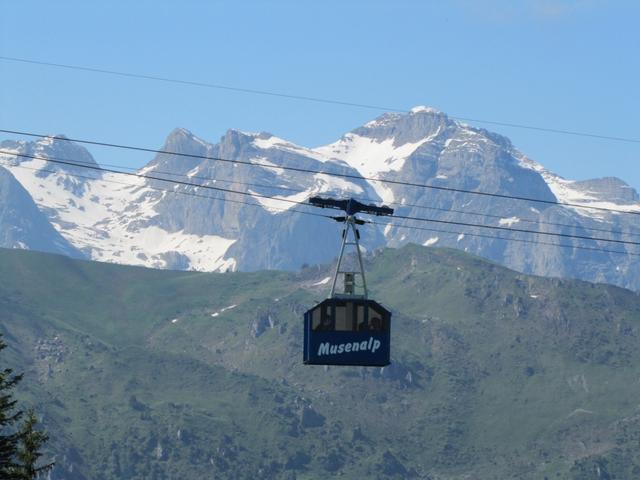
<point x="495" y="374"/>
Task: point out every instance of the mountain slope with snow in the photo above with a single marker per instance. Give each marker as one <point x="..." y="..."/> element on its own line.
<point x="154" y="223"/>
<point x="106" y="216"/>
<point x="23" y="226"/>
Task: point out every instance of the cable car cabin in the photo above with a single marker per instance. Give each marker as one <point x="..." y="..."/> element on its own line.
<point x="347" y="328"/>
<point x="347" y="331"/>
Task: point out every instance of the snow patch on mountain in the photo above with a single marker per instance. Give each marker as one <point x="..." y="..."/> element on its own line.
<point x="222" y="310"/>
<point x="23" y="225"/>
<point x="110" y="220"/>
<point x="150" y="246"/>
<point x="508" y="222"/>
<point x="321" y="184"/>
<point x="370" y="156"/>
<point x="339" y="185"/>
<point x="264" y="142"/>
<point x="266" y="164"/>
<point x="567" y="191"/>
<point x="431" y="241"/>
<point x="425" y="109"/>
<point x="467" y="139"/>
<point x="279" y="203"/>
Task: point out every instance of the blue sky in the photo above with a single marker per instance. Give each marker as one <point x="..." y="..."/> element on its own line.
<point x="558" y="64"/>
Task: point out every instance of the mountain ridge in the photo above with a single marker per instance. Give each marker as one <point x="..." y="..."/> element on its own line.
<point x="137" y="223"/>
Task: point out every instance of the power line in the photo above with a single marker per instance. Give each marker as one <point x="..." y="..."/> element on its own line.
<point x="293" y="190"/>
<point x="178" y="192"/>
<point x="310" y="98"/>
<point x="150" y="177"/>
<point x="503" y="217"/>
<point x="510" y="239"/>
<point x="257" y="195"/>
<point x="320" y="172"/>
<point x="223" y="199"/>
<point x="199" y="177"/>
<point x="372" y="200"/>
<point x="293" y="210"/>
<point x="520" y="230"/>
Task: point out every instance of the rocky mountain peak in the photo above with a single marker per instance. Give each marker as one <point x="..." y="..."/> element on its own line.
<point x="236" y="143"/>
<point x="61" y="148"/>
<point x="233" y="135"/>
<point x="420" y="123"/>
<point x="63" y="153"/>
<point x="181" y="140"/>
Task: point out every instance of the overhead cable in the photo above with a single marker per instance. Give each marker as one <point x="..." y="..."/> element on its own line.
<point x="320" y="172"/>
<point x="313" y="99"/>
<point x="373" y="200"/>
<point x="520" y="230"/>
<point x="292" y="210"/>
<point x="257" y="195"/>
<point x="507" y="239"/>
<point x="164" y="190"/>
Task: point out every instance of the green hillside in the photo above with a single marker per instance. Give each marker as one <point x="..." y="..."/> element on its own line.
<point x="147" y="374"/>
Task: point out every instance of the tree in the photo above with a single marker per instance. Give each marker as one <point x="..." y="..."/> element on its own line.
<point x="19" y="447"/>
<point x="29" y="446"/>
<point x="9" y="415"/>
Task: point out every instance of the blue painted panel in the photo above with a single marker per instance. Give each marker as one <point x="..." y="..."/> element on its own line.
<point x="346" y="348"/>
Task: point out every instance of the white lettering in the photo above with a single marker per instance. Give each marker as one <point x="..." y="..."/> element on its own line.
<point x="323" y="349"/>
<point x="371" y="345"/>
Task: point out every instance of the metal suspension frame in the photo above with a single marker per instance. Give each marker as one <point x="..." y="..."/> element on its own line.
<point x="350" y="207"/>
<point x="350" y="226"/>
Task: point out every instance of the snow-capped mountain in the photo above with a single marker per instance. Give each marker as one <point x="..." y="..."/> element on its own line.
<point x="23" y="225"/>
<point x="125" y="219"/>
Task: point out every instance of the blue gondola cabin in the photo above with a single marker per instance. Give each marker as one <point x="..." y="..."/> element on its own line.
<point x="347" y="331"/>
